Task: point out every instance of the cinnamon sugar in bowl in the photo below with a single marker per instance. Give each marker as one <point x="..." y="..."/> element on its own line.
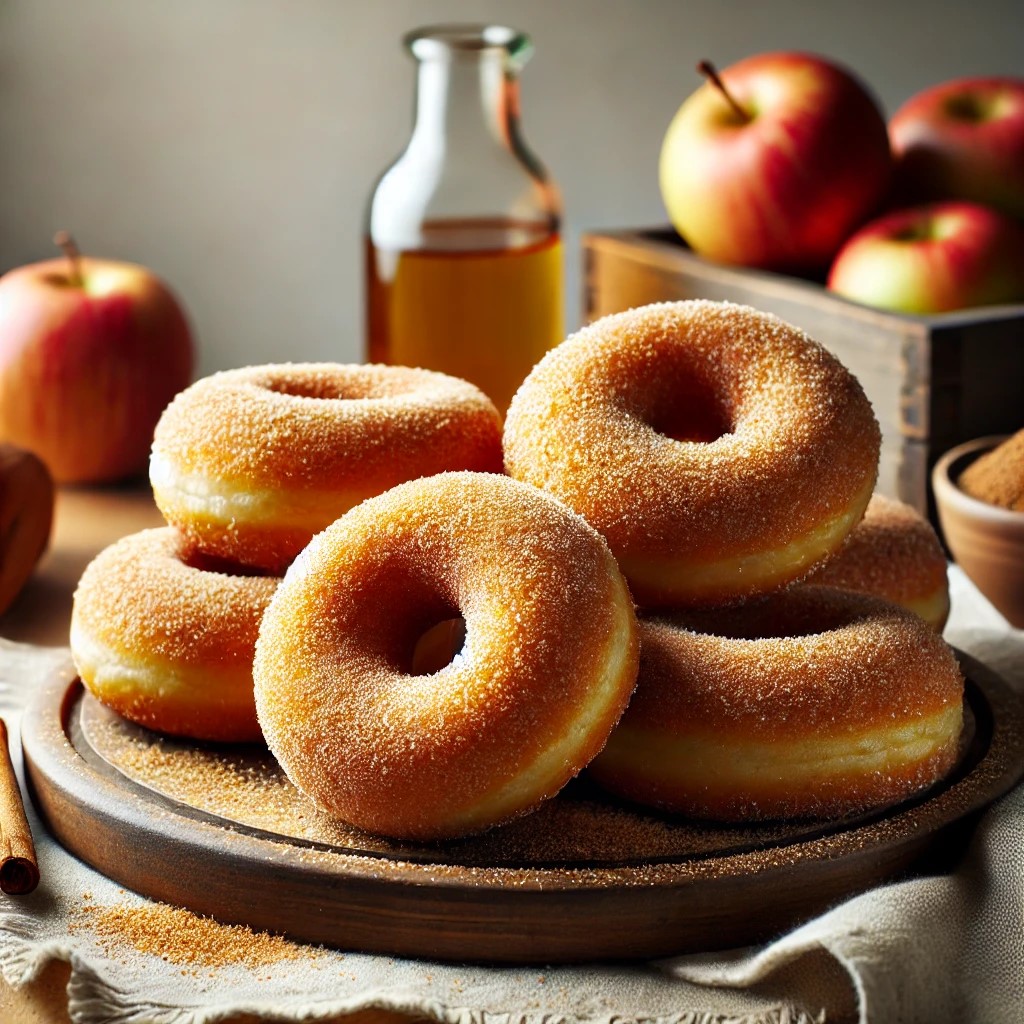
<point x="985" y="539"/>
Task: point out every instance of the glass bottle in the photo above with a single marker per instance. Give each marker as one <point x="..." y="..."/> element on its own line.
<point x="464" y="256"/>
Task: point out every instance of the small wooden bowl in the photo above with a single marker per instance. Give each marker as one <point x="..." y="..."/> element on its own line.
<point x="987" y="541"/>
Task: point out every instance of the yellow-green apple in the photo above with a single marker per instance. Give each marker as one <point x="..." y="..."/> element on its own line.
<point x="91" y="351"/>
<point x="932" y="259"/>
<point x="26" y="514"/>
<point x="774" y="162"/>
<point x="963" y="140"/>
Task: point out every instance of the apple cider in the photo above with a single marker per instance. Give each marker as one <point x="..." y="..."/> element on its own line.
<point x="462" y="305"/>
<point x="463" y="249"/>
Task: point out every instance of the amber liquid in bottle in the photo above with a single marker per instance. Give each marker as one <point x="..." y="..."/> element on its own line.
<point x="465" y="306"/>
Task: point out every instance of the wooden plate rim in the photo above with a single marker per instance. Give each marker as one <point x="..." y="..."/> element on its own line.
<point x="52" y="759"/>
<point x="498" y="915"/>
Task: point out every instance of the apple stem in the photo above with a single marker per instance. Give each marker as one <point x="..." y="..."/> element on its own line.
<point x="67" y="245"/>
<point x="707" y="69"/>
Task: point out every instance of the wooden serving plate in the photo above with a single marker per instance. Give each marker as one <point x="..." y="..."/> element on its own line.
<point x="219" y="830"/>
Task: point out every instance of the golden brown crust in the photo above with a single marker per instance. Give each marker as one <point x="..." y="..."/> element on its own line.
<point x="894" y="553"/>
<point x="313" y="440"/>
<point x="806" y="659"/>
<point x="781" y="436"/>
<point x="763" y="797"/>
<point x="151" y="633"/>
<point x="548" y="664"/>
<point x="810" y="669"/>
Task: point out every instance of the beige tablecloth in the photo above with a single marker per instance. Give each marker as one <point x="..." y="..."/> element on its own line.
<point x="947" y="948"/>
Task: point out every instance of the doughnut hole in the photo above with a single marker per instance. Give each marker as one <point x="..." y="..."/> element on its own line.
<point x="317" y="390"/>
<point x="307" y="381"/>
<point x="675" y="395"/>
<point x="772" y="620"/>
<point x="404" y="619"/>
<point x="438" y="646"/>
<point x="693" y="415"/>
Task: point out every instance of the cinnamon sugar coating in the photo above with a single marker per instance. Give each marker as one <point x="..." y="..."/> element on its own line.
<point x="547" y="667"/>
<point x="181" y="937"/>
<point x="249" y="464"/>
<point x="997" y="476"/>
<point x="167" y="642"/>
<point x="695" y="433"/>
<point x="894" y="553"/>
<point x="816" y="702"/>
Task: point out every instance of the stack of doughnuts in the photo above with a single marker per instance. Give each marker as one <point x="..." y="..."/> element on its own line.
<point x="247" y="465"/>
<point x="726" y="456"/>
<point x="434" y="624"/>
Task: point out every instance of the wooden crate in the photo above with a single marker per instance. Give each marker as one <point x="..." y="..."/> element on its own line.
<point x="934" y="381"/>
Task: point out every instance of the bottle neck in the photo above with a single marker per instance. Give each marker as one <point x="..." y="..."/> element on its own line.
<point x="466" y="166"/>
<point x="465" y="101"/>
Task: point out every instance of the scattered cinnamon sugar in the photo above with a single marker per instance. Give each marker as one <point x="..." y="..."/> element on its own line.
<point x="181" y="937"/>
<point x="248" y="787"/>
<point x="997" y="477"/>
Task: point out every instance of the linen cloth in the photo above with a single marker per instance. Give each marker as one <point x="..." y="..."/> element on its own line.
<point x="933" y="949"/>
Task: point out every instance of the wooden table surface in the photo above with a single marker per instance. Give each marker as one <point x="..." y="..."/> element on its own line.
<point x="86" y="521"/>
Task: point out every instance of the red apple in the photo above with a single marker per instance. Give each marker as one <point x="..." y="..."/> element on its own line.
<point x="963" y="140"/>
<point x="91" y="351"/>
<point x="775" y="163"/>
<point x="931" y="259"/>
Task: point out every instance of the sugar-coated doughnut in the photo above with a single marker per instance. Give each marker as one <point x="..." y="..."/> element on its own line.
<point x="893" y="552"/>
<point x="547" y="666"/>
<point x="814" y="703"/>
<point x="250" y="463"/>
<point x="720" y="451"/>
<point x="167" y="642"/>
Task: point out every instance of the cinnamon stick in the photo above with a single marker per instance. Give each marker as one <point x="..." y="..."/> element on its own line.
<point x="19" y="872"/>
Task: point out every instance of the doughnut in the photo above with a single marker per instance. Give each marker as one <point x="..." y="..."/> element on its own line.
<point x="249" y="464"/>
<point x="815" y="703"/>
<point x="893" y="552"/>
<point x="166" y="640"/>
<point x="546" y="667"/>
<point x="721" y="452"/>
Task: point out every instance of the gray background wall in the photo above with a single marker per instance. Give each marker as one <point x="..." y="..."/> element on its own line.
<point x="231" y="144"/>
